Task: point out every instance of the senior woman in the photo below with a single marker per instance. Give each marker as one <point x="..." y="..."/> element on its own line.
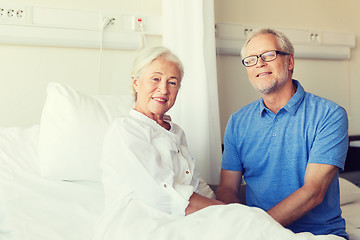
<point x="157" y="167"/>
<point x="149" y="175"/>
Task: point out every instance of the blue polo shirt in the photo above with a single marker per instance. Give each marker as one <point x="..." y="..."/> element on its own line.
<point x="273" y="151"/>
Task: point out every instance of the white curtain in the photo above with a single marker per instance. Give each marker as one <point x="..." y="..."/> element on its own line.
<point x="188" y="30"/>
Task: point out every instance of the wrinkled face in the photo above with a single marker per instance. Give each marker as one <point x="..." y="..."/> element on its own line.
<point x="268" y="77"/>
<point x="157" y="88"/>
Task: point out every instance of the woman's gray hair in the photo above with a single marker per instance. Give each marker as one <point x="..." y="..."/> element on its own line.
<point x="284" y="41"/>
<point x="147" y="56"/>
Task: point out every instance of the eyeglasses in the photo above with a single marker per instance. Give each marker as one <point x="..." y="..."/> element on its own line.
<point x="266" y="57"/>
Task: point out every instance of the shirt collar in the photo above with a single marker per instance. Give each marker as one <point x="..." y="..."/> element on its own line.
<point x="293" y="104"/>
<point x="143" y="117"/>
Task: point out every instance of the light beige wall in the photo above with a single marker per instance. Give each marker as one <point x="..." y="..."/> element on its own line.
<point x="26" y="70"/>
<point x="335" y="80"/>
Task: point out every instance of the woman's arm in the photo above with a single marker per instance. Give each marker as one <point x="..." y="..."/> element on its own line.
<point x="198" y="202"/>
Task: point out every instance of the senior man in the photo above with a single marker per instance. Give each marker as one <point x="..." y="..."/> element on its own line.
<point x="289" y="145"/>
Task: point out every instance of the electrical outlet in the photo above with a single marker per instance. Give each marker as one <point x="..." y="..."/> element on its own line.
<point x="112" y="21"/>
<point x="114" y="24"/>
<point x="315" y="37"/>
<point x="20" y="14"/>
<point x="133" y="23"/>
<point x="139" y="23"/>
<point x="13" y="14"/>
<point x="247" y="31"/>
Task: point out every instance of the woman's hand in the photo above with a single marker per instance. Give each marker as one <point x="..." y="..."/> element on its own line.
<point x="198" y="202"/>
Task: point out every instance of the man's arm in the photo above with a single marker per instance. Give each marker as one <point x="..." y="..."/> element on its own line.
<point x="228" y="189"/>
<point x="317" y="180"/>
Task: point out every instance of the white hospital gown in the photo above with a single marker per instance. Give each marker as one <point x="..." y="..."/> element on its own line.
<point x="152" y="164"/>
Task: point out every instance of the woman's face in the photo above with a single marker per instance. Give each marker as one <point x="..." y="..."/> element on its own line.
<point x="157" y="88"/>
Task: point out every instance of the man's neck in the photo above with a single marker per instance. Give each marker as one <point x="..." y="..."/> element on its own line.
<point x="278" y="99"/>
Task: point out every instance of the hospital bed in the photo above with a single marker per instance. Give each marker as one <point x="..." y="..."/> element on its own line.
<point x="50" y="180"/>
<point x="349" y="188"/>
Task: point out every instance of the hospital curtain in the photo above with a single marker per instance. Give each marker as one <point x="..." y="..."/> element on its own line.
<point x="188" y="30"/>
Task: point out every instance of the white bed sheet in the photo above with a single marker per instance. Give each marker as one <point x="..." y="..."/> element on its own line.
<point x="43" y="209"/>
<point x="34" y="208"/>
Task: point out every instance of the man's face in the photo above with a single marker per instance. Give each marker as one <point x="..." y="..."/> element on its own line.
<point x="268" y="77"/>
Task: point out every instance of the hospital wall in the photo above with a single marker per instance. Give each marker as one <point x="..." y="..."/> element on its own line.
<point x="26" y="70"/>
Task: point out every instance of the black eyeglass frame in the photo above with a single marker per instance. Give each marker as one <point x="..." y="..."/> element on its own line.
<point x="261" y="56"/>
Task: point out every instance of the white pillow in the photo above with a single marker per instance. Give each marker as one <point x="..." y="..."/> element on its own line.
<point x="349" y="192"/>
<point x="72" y="129"/>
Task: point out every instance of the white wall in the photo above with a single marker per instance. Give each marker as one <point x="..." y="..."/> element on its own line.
<point x="26" y="70"/>
<point x="335" y="80"/>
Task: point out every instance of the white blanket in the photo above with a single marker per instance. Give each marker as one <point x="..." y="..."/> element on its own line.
<point x="130" y="219"/>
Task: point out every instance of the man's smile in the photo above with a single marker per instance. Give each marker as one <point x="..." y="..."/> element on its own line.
<point x="263" y="74"/>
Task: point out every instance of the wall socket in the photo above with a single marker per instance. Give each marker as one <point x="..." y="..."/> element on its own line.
<point x="315" y="37"/>
<point x="115" y="20"/>
<point x="139" y="23"/>
<point x="134" y="23"/>
<point x="12" y="14"/>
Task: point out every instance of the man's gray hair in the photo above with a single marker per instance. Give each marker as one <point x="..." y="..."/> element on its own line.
<point x="284" y="41"/>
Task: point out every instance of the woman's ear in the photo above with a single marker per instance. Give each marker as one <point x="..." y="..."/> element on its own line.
<point x="135" y="83"/>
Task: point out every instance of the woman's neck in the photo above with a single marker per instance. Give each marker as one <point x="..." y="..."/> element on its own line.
<point x="159" y="119"/>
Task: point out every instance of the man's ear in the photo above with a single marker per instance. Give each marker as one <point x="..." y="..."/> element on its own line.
<point x="291" y="62"/>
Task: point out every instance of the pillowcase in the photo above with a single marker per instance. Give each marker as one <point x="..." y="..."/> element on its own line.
<point x="72" y="129"/>
<point x="349" y="192"/>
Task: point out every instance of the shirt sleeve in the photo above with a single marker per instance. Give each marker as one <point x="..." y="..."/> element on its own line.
<point x="331" y="141"/>
<point x="131" y="165"/>
<point x="230" y="158"/>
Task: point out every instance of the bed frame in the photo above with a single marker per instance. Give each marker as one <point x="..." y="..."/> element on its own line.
<point x="353" y="156"/>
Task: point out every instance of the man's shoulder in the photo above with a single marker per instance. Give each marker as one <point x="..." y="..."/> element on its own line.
<point x="318" y="102"/>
